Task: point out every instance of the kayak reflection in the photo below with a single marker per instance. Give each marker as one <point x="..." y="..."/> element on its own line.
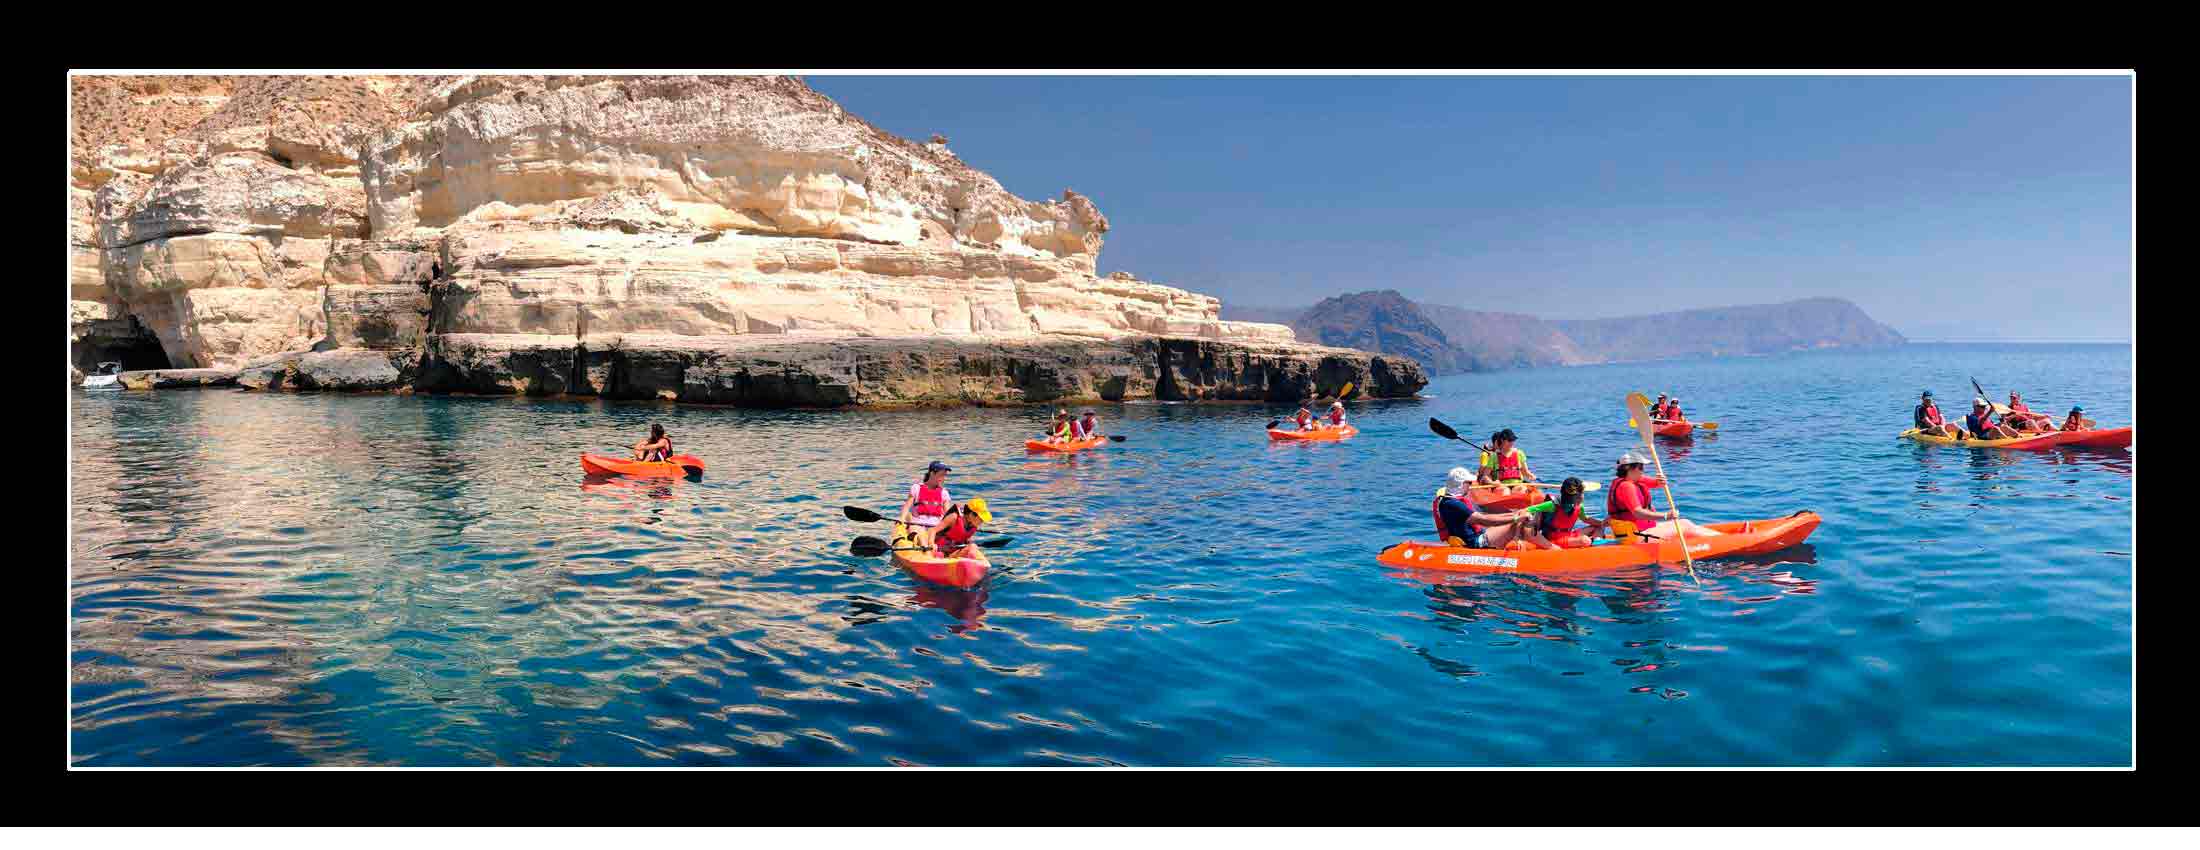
<point x="619" y="485"/>
<point x="966" y="606"/>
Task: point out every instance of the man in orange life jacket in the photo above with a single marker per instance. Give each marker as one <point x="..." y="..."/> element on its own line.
<point x="1926" y="418"/>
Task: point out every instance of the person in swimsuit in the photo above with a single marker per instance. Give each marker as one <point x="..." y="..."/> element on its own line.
<point x="657" y="447"/>
<point x="927" y="504"/>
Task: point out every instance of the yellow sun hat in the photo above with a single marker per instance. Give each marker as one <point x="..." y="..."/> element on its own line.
<point x="977" y="506"/>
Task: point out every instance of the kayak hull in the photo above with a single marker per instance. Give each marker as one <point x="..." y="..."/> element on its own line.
<point x="1735" y="539"/>
<point x="1316" y="435"/>
<point x="2098" y="438"/>
<point x="965" y="569"/>
<point x="601" y="465"/>
<point x="1065" y="448"/>
<point x="1674" y="429"/>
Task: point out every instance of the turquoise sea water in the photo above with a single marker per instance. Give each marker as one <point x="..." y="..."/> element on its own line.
<point x="325" y="579"/>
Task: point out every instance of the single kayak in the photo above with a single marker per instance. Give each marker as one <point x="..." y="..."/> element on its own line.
<point x="965" y="569"/>
<point x="1338" y="433"/>
<point x="1664" y="428"/>
<point x="1755" y="537"/>
<point x="678" y="466"/>
<point x="1071" y="446"/>
<point x="2098" y="438"/>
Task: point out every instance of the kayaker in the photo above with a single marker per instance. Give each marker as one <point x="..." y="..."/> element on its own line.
<point x="1460" y="523"/>
<point x="927" y="504"/>
<point x="1926" y="418"/>
<point x="1058" y="431"/>
<point x="1088" y="427"/>
<point x="2022" y="415"/>
<point x="954" y="533"/>
<point x="1504" y="465"/>
<point x="1557" y="521"/>
<point x="1980" y="422"/>
<point x="1658" y="409"/>
<point x="1336" y="414"/>
<point x="1628" y="500"/>
<point x="2077" y="421"/>
<point x="1305" y="419"/>
<point x="1672" y="412"/>
<point x="657" y="447"/>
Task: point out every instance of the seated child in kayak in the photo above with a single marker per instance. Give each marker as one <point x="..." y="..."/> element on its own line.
<point x="657" y="447"/>
<point x="1561" y="522"/>
<point x="927" y="504"/>
<point x="954" y="533"/>
<point x="1980" y="423"/>
<point x="1460" y="523"/>
<point x="1926" y="419"/>
<point x="2077" y="420"/>
<point x="1629" y="501"/>
<point x="1505" y="465"/>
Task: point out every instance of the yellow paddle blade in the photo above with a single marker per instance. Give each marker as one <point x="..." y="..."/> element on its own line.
<point x="1708" y="426"/>
<point x="1638" y="413"/>
<point x="1345" y="391"/>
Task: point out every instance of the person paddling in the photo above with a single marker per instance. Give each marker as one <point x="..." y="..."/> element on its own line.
<point x="1304" y="418"/>
<point x="1672" y="412"/>
<point x="1059" y="430"/>
<point x="658" y="447"/>
<point x="1336" y="414"/>
<point x="1088" y="427"/>
<point x="1628" y="500"/>
<point x="927" y="504"/>
<point x="954" y="533"/>
<point x="1560" y="522"/>
<point x="1980" y="422"/>
<point x="1460" y="523"/>
<point x="1504" y="465"/>
<point x="2077" y="421"/>
<point x="1926" y="419"/>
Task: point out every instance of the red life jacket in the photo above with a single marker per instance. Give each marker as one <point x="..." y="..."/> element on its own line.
<point x="931" y="502"/>
<point x="1509" y="467"/>
<point x="1562" y="522"/>
<point x="1612" y="509"/>
<point x="952" y="534"/>
<point x="1932" y="414"/>
<point x="1436" y="513"/>
<point x="2020" y="407"/>
<point x="1336" y="416"/>
<point x="1303" y="418"/>
<point x="1672" y="411"/>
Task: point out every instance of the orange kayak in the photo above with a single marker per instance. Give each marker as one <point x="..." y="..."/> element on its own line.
<point x="1317" y="434"/>
<point x="678" y="466"/>
<point x="964" y="569"/>
<point x="1734" y="538"/>
<point x="1665" y="428"/>
<point x="1071" y="446"/>
<point x="2099" y="438"/>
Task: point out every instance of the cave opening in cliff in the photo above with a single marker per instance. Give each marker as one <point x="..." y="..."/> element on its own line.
<point x="136" y="352"/>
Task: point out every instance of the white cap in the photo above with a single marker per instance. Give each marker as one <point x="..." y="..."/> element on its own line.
<point x="1456" y="483"/>
<point x="1336" y="404"/>
<point x="1631" y="457"/>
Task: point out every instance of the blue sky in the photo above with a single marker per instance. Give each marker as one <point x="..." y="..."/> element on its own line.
<point x="1985" y="207"/>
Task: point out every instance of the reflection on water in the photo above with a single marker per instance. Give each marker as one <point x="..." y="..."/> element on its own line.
<point x="303" y="579"/>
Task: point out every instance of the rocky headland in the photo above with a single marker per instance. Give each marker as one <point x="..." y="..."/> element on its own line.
<point x="721" y="240"/>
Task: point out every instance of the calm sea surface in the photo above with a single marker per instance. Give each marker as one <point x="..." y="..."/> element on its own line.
<point x="268" y="579"/>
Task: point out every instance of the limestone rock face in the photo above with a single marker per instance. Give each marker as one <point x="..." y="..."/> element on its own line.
<point x="734" y="240"/>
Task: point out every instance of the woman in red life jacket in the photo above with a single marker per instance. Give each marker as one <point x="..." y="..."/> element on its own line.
<point x="927" y="504"/>
<point x="1304" y="418"/>
<point x="2077" y="420"/>
<point x="1336" y="414"/>
<point x="954" y="533"/>
<point x="657" y="447"/>
<point x="1926" y="418"/>
<point x="1628" y="499"/>
<point x="1088" y="427"/>
<point x="1672" y="412"/>
<point x="1980" y="422"/>
<point x="1563" y="522"/>
<point x="1504" y="465"/>
<point x="2022" y="418"/>
<point x="1460" y="523"/>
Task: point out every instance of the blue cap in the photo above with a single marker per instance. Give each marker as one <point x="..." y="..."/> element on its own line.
<point x="937" y="467"/>
<point x="1928" y="394"/>
<point x="2076" y="409"/>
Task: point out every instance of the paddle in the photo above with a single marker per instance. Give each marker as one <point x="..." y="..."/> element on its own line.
<point x="1341" y="393"/>
<point x="1707" y="426"/>
<point x="1638" y="407"/>
<point x="1445" y="431"/>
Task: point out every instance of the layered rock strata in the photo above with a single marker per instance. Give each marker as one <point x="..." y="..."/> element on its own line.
<point x="736" y="240"/>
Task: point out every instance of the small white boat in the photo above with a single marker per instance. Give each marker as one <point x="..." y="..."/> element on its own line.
<point x="108" y="378"/>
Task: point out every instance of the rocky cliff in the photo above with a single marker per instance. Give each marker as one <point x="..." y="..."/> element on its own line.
<point x="727" y="239"/>
<point x="1449" y="339"/>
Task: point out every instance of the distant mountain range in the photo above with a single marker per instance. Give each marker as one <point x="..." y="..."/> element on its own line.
<point x="1448" y="340"/>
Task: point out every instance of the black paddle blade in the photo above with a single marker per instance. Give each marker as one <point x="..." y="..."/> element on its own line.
<point x="1441" y="429"/>
<point x="996" y="542"/>
<point x="1116" y="437"/>
<point x="1272" y="423"/>
<point x="868" y="546"/>
<point x="860" y="515"/>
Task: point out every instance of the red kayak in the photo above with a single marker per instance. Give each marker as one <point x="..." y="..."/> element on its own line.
<point x="678" y="466"/>
<point x="2096" y="438"/>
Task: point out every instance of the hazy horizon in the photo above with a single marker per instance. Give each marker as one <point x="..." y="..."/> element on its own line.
<point x="1983" y="207"/>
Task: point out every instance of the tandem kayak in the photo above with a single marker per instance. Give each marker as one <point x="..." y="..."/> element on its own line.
<point x="1071" y="446"/>
<point x="965" y="569"/>
<point x="678" y="466"/>
<point x="2098" y="438"/>
<point x="1664" y="428"/>
<point x="1754" y="537"/>
<point x="1338" y="433"/>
